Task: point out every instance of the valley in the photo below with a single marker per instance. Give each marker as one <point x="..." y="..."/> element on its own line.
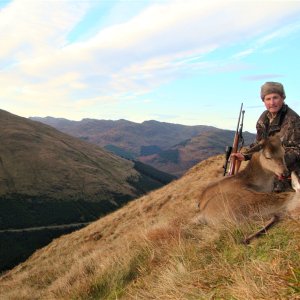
<point x="49" y="178"/>
<point x="171" y="148"/>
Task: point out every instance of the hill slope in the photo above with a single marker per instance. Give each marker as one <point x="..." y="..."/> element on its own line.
<point x="50" y="178"/>
<point x="37" y="160"/>
<point x="149" y="249"/>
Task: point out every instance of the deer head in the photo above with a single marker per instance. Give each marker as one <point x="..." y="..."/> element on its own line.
<point x="271" y="155"/>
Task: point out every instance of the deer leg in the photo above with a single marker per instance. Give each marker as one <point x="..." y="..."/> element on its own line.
<point x="271" y="222"/>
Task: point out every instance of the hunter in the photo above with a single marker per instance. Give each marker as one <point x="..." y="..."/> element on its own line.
<point x="281" y="119"/>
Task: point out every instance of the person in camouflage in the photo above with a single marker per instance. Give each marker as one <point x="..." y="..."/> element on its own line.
<point x="282" y="120"/>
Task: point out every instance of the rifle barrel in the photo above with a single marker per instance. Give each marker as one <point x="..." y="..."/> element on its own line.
<point x="236" y="142"/>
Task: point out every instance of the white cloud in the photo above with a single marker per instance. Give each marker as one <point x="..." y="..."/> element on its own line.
<point x="32" y="28"/>
<point x="268" y="38"/>
<point x="162" y="42"/>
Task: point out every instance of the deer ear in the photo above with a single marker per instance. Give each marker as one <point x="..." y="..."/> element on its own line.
<point x="256" y="148"/>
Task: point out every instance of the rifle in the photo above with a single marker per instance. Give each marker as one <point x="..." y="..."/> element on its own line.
<point x="238" y="138"/>
<point x="228" y="151"/>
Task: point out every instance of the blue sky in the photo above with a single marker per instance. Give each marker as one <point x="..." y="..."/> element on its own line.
<point x="189" y="61"/>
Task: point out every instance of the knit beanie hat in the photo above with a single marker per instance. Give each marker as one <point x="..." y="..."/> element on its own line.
<point x="270" y="88"/>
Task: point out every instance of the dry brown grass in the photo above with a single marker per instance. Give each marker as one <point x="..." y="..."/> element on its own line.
<point x="222" y="268"/>
<point x="150" y="250"/>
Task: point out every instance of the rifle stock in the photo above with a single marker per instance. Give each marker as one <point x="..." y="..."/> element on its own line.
<point x="233" y="158"/>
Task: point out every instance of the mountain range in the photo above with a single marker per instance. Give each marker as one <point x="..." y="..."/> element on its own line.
<point x="172" y="148"/>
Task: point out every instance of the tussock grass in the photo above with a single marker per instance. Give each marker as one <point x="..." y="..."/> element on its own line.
<point x="180" y="261"/>
<point x="221" y="267"/>
<point x="112" y="282"/>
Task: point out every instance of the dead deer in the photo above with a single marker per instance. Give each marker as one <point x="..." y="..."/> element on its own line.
<point x="248" y="192"/>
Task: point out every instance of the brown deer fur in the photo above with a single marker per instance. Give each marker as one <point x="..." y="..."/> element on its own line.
<point x="248" y="192"/>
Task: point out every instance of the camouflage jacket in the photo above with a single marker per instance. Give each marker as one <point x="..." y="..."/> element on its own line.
<point x="287" y="125"/>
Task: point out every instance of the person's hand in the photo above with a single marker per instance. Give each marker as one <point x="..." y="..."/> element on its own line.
<point x="239" y="156"/>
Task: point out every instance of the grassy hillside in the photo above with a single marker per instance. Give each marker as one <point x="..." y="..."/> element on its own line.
<point x="151" y="249"/>
<point x="38" y="160"/>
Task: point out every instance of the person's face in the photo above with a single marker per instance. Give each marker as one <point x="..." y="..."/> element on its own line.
<point x="273" y="103"/>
